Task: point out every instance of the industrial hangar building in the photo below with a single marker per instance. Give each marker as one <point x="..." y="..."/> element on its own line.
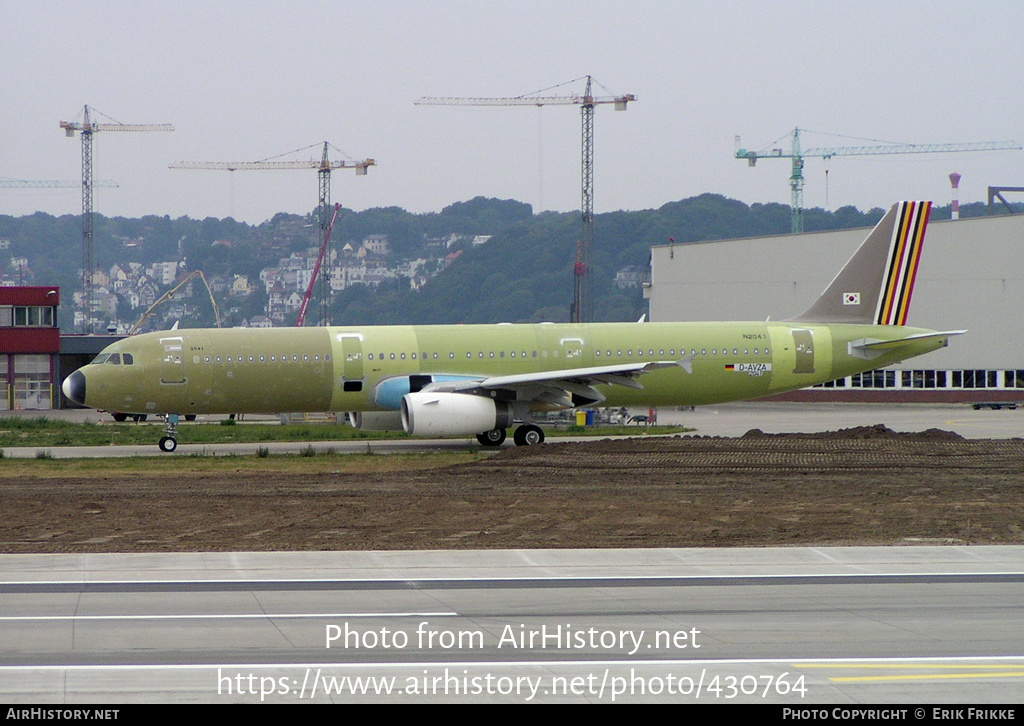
<point x="34" y="356"/>
<point x="971" y="277"/>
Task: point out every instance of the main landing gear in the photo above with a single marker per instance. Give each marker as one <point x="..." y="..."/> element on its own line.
<point x="528" y="435"/>
<point x="494" y="437"/>
<point x="525" y="435"/>
<point x="122" y="417"/>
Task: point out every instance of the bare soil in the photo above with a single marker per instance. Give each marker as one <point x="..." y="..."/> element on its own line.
<point x="866" y="486"/>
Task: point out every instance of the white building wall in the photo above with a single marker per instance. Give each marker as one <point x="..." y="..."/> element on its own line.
<point x="971" y="276"/>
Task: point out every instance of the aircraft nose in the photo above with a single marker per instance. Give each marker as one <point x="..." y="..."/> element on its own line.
<point x="74" y="387"/>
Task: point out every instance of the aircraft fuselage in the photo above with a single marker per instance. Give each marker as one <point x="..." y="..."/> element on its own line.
<point x="211" y="371"/>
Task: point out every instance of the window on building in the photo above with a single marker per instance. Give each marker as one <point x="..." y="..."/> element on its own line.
<point x="874" y="379"/>
<point x="5" y="392"/>
<point x="27" y="316"/>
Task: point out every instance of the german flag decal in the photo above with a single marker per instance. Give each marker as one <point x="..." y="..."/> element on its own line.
<point x="901" y="269"/>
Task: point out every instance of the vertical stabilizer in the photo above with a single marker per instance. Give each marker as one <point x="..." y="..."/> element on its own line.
<point x="876" y="285"/>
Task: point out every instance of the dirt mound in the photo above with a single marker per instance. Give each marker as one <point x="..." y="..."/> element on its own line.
<point x="878" y="431"/>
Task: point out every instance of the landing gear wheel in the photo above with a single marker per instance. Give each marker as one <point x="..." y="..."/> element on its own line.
<point x="528" y="435"/>
<point x="494" y="437"/>
<point x="139" y="417"/>
<point x="190" y="417"/>
<point x="168" y="444"/>
<point x="120" y="417"/>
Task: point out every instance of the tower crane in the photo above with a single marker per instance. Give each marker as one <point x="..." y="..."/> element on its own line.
<point x="52" y="184"/>
<point x="324" y="168"/>
<point x="581" y="306"/>
<point x="796" y="179"/>
<point x="88" y="127"/>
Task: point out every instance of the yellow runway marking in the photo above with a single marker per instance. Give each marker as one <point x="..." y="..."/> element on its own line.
<point x="974" y="422"/>
<point x="922" y="677"/>
<point x="990" y="671"/>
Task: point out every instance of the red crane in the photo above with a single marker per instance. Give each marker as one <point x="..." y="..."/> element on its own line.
<point x="300" y="321"/>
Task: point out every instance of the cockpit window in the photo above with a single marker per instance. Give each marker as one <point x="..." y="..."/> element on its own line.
<point x="101" y="358"/>
<point x="114" y="359"/>
<point x="127" y="359"/>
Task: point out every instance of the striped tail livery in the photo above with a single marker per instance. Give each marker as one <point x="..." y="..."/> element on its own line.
<point x="907" y="241"/>
<point x="876" y="285"/>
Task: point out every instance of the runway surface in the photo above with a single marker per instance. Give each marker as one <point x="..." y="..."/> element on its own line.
<point x="779" y="625"/>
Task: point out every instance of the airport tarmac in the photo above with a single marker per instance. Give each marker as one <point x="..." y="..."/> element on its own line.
<point x="728" y="420"/>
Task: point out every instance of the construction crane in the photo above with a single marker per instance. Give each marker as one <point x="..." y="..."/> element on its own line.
<point x="304" y="308"/>
<point x="581" y="306"/>
<point x="324" y="167"/>
<point x="51" y="184"/>
<point x="796" y="179"/>
<point x="88" y="128"/>
<point x="169" y="295"/>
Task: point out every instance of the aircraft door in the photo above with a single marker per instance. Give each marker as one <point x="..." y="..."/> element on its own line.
<point x="803" y="343"/>
<point x="172" y="364"/>
<point x="572" y="351"/>
<point x="352" y="357"/>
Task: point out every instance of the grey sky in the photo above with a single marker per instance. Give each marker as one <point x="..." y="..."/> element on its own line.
<point x="248" y="80"/>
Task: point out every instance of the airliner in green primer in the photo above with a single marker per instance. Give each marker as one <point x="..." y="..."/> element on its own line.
<point x="465" y="380"/>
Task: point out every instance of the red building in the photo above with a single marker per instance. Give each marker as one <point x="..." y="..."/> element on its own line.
<point x="29" y="347"/>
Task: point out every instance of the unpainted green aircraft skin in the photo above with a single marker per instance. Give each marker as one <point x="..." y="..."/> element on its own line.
<point x="482" y="379"/>
<point x="272" y="370"/>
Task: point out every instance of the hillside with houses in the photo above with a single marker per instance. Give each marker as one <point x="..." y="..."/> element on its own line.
<point x="257" y="275"/>
<point x="480" y="261"/>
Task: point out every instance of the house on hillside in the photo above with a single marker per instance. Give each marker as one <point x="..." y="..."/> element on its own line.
<point x="377" y="244"/>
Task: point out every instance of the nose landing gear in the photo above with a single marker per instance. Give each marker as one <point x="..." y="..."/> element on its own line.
<point x="169" y="443"/>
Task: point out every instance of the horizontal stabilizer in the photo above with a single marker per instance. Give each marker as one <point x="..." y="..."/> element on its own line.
<point x="871" y="348"/>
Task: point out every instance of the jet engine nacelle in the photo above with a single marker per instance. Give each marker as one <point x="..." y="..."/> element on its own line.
<point x="376" y="420"/>
<point x="388" y="393"/>
<point x="452" y="414"/>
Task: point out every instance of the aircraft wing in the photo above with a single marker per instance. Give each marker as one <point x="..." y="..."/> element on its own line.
<point x="566" y="388"/>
